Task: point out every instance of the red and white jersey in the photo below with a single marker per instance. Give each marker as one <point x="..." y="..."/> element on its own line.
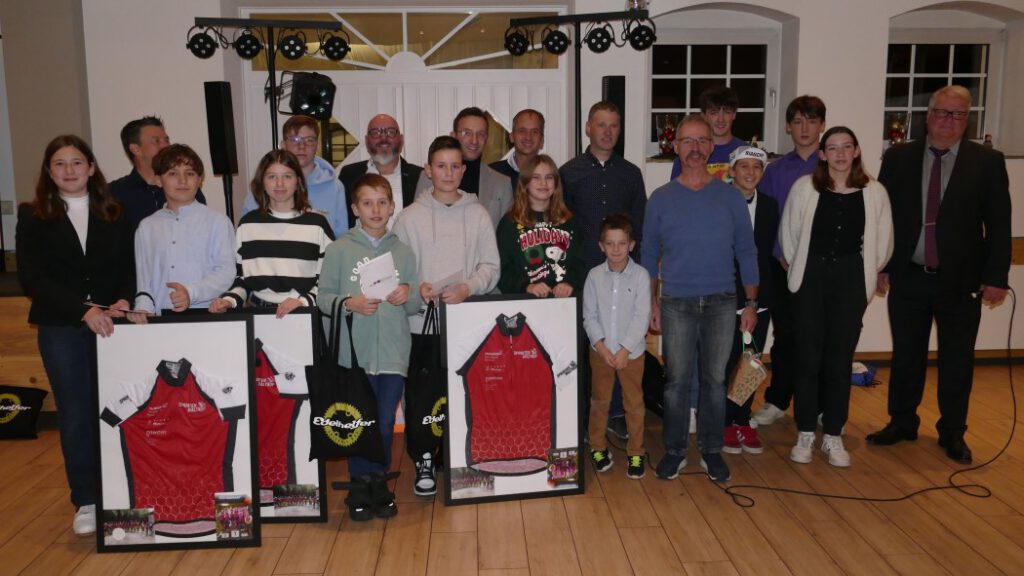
<point x="510" y="399"/>
<point x="280" y="390"/>
<point x="178" y="428"/>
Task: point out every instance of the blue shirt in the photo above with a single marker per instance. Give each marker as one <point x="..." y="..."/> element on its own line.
<point x="617" y="307"/>
<point x="194" y="246"/>
<point x="696" y="235"/>
<point x="139" y="198"/>
<point x="779" y="177"/>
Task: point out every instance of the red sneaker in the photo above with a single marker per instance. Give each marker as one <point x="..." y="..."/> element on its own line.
<point x="749" y="441"/>
<point x="732" y="443"/>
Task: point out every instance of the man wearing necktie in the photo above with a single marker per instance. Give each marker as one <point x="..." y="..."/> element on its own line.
<point x="951" y="219"/>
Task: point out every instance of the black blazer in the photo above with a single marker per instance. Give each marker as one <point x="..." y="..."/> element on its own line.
<point x="353" y="172"/>
<point x="973" y="231"/>
<point x="59" y="278"/>
<point x="766" y="230"/>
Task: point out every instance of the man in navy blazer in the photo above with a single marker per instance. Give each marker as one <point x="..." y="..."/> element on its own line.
<point x="384" y="142"/>
<point x="951" y="220"/>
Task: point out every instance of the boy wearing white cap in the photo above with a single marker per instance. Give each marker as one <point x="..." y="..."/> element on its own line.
<point x="746" y="166"/>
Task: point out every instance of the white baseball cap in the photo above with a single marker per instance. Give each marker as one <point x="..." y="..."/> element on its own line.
<point x="751" y="152"/>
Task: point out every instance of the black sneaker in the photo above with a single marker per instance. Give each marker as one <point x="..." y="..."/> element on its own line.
<point x="602" y="459"/>
<point x="382" y="499"/>
<point x="715" y="466"/>
<point x="617" y="426"/>
<point x="360" y="507"/>
<point x="425" y="484"/>
<point x="669" y="467"/>
<point x="637" y="467"/>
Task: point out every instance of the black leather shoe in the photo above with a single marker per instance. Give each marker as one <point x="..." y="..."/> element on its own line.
<point x="891" y="434"/>
<point x="956" y="449"/>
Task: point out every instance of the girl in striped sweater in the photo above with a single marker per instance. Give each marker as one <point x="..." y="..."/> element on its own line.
<point x="280" y="245"/>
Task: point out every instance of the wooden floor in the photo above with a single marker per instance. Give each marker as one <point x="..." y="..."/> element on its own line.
<point x="620" y="526"/>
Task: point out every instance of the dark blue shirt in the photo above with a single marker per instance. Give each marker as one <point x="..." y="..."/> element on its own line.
<point x="139" y="198"/>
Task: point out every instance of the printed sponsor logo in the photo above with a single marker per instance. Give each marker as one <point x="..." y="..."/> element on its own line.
<point x="265" y="382"/>
<point x="436" y="417"/>
<point x="193" y="407"/>
<point x="530" y="354"/>
<point x="10" y="407"/>
<point x="354" y="423"/>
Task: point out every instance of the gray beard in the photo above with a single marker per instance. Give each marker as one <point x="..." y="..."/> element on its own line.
<point x="383" y="159"/>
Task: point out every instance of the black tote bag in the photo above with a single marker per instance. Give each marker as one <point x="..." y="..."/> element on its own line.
<point x="343" y="407"/>
<point x="426" y="390"/>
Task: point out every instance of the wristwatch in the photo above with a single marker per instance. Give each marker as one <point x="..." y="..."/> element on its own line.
<point x="750" y="303"/>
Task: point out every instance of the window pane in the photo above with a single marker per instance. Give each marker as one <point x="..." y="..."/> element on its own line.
<point x="923" y="88"/>
<point x="932" y="59"/>
<point x="668" y="93"/>
<point x="751" y="92"/>
<point x="484" y="35"/>
<point x="899" y="59"/>
<point x="970" y="58"/>
<point x="708" y="59"/>
<point x="748" y="125"/>
<point x="669" y="59"/>
<point x="749" y="59"/>
<point x="895" y="126"/>
<point x="972" y="84"/>
<point x="917" y="125"/>
<point x="897" y="91"/>
<point x="698" y="85"/>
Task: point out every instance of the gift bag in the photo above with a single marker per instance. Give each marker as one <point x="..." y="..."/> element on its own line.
<point x="19" y="411"/>
<point x="343" y="408"/>
<point x="749" y="373"/>
<point x="426" y="389"/>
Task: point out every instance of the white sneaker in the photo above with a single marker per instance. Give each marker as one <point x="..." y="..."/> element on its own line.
<point x="837" y="454"/>
<point x="693" y="420"/>
<point x="768" y="414"/>
<point x="425" y="484"/>
<point x="804" y="449"/>
<point x="85" y="520"/>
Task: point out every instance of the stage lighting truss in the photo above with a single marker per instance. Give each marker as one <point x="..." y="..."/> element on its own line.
<point x="247" y="44"/>
<point x="335" y="47"/>
<point x="517" y="41"/>
<point x="203" y="41"/>
<point x="555" y="41"/>
<point x="292" y="44"/>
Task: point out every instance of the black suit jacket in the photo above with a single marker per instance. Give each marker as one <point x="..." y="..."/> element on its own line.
<point x="766" y="230"/>
<point x="353" y="172"/>
<point x="973" y="227"/>
<point x="58" y="277"/>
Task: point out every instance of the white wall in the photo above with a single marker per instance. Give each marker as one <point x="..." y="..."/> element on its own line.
<point x="138" y="65"/>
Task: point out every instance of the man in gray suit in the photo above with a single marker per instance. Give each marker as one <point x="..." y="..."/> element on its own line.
<point x="470" y="128"/>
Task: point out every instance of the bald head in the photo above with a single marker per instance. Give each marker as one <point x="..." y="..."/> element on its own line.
<point x="384" y="141"/>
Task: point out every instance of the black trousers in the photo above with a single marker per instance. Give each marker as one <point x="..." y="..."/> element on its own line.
<point x="828" y="313"/>
<point x="780" y="389"/>
<point x="915" y="301"/>
<point x="739" y="414"/>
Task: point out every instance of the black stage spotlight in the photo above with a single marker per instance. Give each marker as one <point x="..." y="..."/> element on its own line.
<point x="516" y="41"/>
<point x="335" y="47"/>
<point x="641" y="34"/>
<point x="201" y="45"/>
<point x="599" y="39"/>
<point x="312" y="95"/>
<point x="292" y="46"/>
<point x="247" y="45"/>
<point x="555" y="41"/>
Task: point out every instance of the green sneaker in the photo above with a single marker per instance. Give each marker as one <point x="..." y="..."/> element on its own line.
<point x="602" y="459"/>
<point x="637" y="467"/>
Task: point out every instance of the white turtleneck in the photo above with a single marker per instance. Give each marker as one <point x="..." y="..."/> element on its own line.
<point x="78" y="213"/>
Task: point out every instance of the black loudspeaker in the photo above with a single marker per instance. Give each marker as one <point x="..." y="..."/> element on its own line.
<point x="613" y="88"/>
<point x="220" y="124"/>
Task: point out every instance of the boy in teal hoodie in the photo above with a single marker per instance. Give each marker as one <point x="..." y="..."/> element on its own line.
<point x="380" y="329"/>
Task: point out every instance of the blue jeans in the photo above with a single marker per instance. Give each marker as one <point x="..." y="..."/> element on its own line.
<point x="388" y="388"/>
<point x="65" y="351"/>
<point x="686" y="323"/>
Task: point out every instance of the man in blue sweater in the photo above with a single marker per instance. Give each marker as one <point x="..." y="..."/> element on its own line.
<point x="697" y="226"/>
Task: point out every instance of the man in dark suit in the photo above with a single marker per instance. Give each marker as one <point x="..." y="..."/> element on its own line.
<point x="384" y="142"/>
<point x="527" y="138"/>
<point x="951" y="219"/>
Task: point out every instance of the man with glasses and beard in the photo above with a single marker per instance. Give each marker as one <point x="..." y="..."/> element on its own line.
<point x="384" y="142"/>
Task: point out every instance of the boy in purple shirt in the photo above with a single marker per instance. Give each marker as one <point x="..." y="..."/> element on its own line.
<point x="805" y="121"/>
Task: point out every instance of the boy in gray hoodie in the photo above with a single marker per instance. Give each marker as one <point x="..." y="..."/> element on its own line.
<point x="452" y="236"/>
<point x="380" y="329"/>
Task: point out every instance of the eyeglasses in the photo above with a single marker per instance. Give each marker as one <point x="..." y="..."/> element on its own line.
<point x="955" y="114"/>
<point x="382" y="132"/>
<point x="466" y="133"/>
<point x="695" y="141"/>
<point x="302" y="140"/>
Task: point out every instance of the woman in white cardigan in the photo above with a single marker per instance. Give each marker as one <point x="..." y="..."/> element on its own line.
<point x="836" y="235"/>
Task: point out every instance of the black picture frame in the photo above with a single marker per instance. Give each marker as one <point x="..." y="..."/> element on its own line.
<point x="141" y="393"/>
<point x="295" y="336"/>
<point x="546" y="339"/>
